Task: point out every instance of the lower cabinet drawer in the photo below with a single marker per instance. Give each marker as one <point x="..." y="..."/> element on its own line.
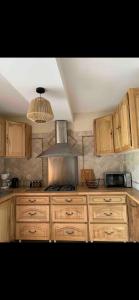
<point x="107" y="199"/>
<point x="69" y="232"/>
<point x="69" y="213"/>
<point x="32" y="213"/>
<point x="108" y="232"/>
<point x="32" y="231"/>
<point x="110" y="213"/>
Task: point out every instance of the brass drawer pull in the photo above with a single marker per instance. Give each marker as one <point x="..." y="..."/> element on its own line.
<point x="69" y="231"/>
<point x="68" y="200"/>
<point x="32" y="231"/>
<point x="109" y="232"/>
<point x="32" y="213"/>
<point x="32" y="200"/>
<point x="68" y="213"/>
<point x="107" y="200"/>
<point x="108" y="214"/>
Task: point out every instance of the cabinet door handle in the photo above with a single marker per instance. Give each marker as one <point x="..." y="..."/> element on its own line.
<point x="109" y="232"/>
<point x="107" y="200"/>
<point x="69" y="213"/>
<point x="32" y="200"/>
<point x="108" y="213"/>
<point x="69" y="231"/>
<point x="32" y="213"/>
<point x="32" y="231"/>
<point x="68" y="200"/>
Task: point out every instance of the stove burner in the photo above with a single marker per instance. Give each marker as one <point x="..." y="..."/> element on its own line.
<point x="66" y="187"/>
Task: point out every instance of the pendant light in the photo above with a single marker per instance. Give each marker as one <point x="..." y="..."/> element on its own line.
<point x="40" y="110"/>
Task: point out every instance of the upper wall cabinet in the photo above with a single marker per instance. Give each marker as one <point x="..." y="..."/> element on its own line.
<point x="117" y="130"/>
<point x="2" y="137"/>
<point x="121" y="126"/>
<point x="125" y="122"/>
<point x="123" y="129"/>
<point x="15" y="139"/>
<point x="104" y="135"/>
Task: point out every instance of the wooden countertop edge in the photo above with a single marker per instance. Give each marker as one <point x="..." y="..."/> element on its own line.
<point x="131" y="193"/>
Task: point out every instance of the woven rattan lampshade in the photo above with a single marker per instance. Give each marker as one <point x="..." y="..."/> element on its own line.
<point x="40" y="110"/>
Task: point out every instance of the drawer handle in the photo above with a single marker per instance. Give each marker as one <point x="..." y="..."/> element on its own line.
<point x="32" y="213"/>
<point x="107" y="200"/>
<point x="68" y="200"/>
<point x="68" y="213"/>
<point x="108" y="214"/>
<point x="32" y="231"/>
<point x="69" y="231"/>
<point x="109" y="232"/>
<point x="32" y="200"/>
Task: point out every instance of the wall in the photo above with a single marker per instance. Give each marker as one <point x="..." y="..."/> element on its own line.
<point x="132" y="165"/>
<point x="1" y="165"/>
<point x="44" y="136"/>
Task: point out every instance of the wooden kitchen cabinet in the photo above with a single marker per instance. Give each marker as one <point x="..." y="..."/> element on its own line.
<point x="126" y="122"/>
<point x="117" y="131"/>
<point x="109" y="221"/>
<point x="103" y="128"/>
<point x="133" y="217"/>
<point x="69" y="218"/>
<point x="18" y="139"/>
<point x="125" y="128"/>
<point x="32" y="218"/>
<point x="2" y="137"/>
<point x="7" y="221"/>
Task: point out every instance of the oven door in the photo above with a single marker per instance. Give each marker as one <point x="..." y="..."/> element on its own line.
<point x="114" y="180"/>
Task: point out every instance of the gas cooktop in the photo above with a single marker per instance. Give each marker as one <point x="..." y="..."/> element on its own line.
<point x="57" y="188"/>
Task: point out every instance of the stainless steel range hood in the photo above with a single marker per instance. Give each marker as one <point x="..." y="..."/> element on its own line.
<point x="61" y="148"/>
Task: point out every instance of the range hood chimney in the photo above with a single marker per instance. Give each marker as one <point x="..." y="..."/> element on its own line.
<point x="61" y="148"/>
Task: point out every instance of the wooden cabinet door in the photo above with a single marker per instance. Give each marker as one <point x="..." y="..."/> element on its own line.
<point x="137" y="114"/>
<point x="5" y="215"/>
<point x="15" y="139"/>
<point x="7" y="221"/>
<point x="2" y="137"/>
<point x="12" y="219"/>
<point x="133" y="220"/>
<point x="104" y="135"/>
<point x="125" y="130"/>
<point x="117" y="131"/>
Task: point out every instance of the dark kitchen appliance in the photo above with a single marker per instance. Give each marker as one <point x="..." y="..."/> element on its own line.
<point x="56" y="188"/>
<point x="118" y="179"/>
<point x="15" y="182"/>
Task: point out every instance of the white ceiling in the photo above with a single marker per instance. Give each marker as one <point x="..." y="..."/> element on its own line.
<point x="98" y="84"/>
<point x="74" y="85"/>
<point x="19" y="78"/>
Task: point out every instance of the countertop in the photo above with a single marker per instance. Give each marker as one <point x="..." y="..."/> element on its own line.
<point x="81" y="190"/>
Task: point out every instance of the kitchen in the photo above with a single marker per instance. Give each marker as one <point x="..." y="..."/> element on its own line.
<point x="74" y="177"/>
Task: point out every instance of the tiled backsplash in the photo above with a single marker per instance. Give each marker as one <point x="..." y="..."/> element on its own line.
<point x="132" y="165"/>
<point x="36" y="168"/>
